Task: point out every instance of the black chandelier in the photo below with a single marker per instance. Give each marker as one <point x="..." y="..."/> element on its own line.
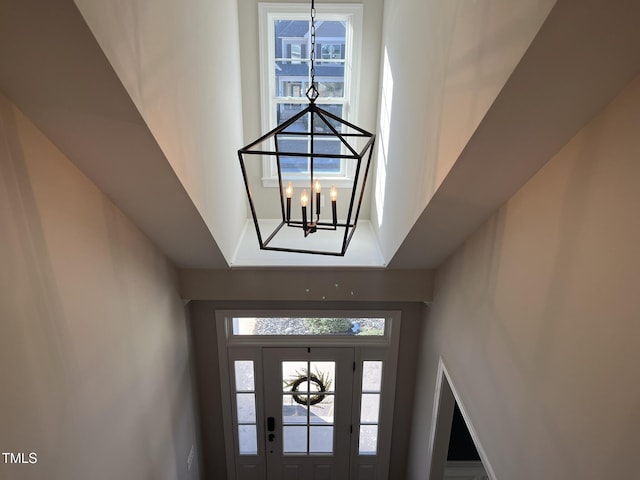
<point x="356" y="145"/>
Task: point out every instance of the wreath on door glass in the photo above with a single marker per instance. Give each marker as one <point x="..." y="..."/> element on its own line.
<point x="319" y="379"/>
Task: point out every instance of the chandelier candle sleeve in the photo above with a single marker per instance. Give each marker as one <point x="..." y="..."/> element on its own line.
<point x="289" y="193"/>
<point x="334" y="196"/>
<point x="317" y="189"/>
<point x="304" y="199"/>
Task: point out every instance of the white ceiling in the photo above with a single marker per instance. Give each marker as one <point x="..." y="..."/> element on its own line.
<point x="149" y="126"/>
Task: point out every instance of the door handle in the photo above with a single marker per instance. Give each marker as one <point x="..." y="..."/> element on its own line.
<point x="271" y="424"/>
<point x="271" y="437"/>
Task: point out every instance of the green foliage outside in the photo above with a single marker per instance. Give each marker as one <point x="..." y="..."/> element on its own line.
<point x="372" y="332"/>
<point x="327" y="326"/>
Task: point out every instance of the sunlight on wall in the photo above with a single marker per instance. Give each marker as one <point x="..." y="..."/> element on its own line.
<point x="386" y="103"/>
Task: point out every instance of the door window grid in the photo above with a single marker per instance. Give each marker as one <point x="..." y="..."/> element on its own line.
<point x="370" y="407"/>
<point x="308" y="407"/>
<point x="245" y="399"/>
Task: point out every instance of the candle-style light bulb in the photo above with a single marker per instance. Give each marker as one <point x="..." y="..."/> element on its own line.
<point x="318" y="187"/>
<point x="289" y="192"/>
<point x="333" y="193"/>
<point x="304" y="198"/>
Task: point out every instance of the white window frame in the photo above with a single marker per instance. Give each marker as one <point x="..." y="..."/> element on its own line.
<point x="267" y="13"/>
<point x="391" y="329"/>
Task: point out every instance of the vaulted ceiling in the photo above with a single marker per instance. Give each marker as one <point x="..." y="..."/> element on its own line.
<point x="473" y="98"/>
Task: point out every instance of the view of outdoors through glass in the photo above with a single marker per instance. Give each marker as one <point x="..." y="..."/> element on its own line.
<point x="308" y="398"/>
<point x="370" y="407"/>
<point x="246" y="407"/>
<point x="366" y="327"/>
<point x="292" y="50"/>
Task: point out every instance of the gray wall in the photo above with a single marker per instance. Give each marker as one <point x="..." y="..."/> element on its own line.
<point x="94" y="353"/>
<point x="536" y="316"/>
<point x="202" y="316"/>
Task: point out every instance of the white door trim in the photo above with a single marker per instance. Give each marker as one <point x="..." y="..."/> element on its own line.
<point x="366" y="348"/>
<point x="337" y="460"/>
<point x="446" y="397"/>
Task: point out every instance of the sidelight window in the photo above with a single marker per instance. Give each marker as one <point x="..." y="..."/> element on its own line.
<point x="245" y="399"/>
<point x="370" y="407"/>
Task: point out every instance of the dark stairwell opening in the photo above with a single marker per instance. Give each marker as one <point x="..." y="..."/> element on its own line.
<point x="461" y="446"/>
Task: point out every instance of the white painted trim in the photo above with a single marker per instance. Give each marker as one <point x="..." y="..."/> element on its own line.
<point x="389" y="355"/>
<point x="465" y="471"/>
<point x="225" y="396"/>
<point x="385" y="349"/>
<point x="442" y="376"/>
<point x="390" y="337"/>
<point x="343" y="385"/>
<point x="440" y="431"/>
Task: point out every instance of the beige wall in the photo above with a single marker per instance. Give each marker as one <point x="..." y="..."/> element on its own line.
<point x="366" y="285"/>
<point x="94" y="358"/>
<point x="442" y="66"/>
<point x="536" y="316"/>
<point x="180" y="63"/>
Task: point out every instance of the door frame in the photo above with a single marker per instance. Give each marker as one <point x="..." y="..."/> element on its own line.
<point x="383" y="348"/>
<point x="342" y="387"/>
<point x="446" y="397"/>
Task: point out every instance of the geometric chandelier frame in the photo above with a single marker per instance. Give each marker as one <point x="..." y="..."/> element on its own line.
<point x="356" y="146"/>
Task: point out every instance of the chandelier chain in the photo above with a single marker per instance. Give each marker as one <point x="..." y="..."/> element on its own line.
<point x="312" y="92"/>
<point x="313" y="42"/>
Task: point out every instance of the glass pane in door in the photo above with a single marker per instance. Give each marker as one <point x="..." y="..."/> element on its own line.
<point x="321" y="440"/>
<point x="368" y="444"/>
<point x="370" y="408"/>
<point x="308" y="406"/>
<point x="371" y="376"/>
<point x="293" y="376"/>
<point x="244" y="376"/>
<point x="292" y="412"/>
<point x="322" y="412"/>
<point x="246" y="406"/>
<point x="294" y="439"/>
<point x="324" y="373"/>
<point x="247" y="439"/>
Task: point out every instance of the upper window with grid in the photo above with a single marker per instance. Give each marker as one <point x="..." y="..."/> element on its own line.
<point x="286" y="76"/>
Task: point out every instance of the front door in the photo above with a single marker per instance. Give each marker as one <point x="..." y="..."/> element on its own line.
<point x="308" y="398"/>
